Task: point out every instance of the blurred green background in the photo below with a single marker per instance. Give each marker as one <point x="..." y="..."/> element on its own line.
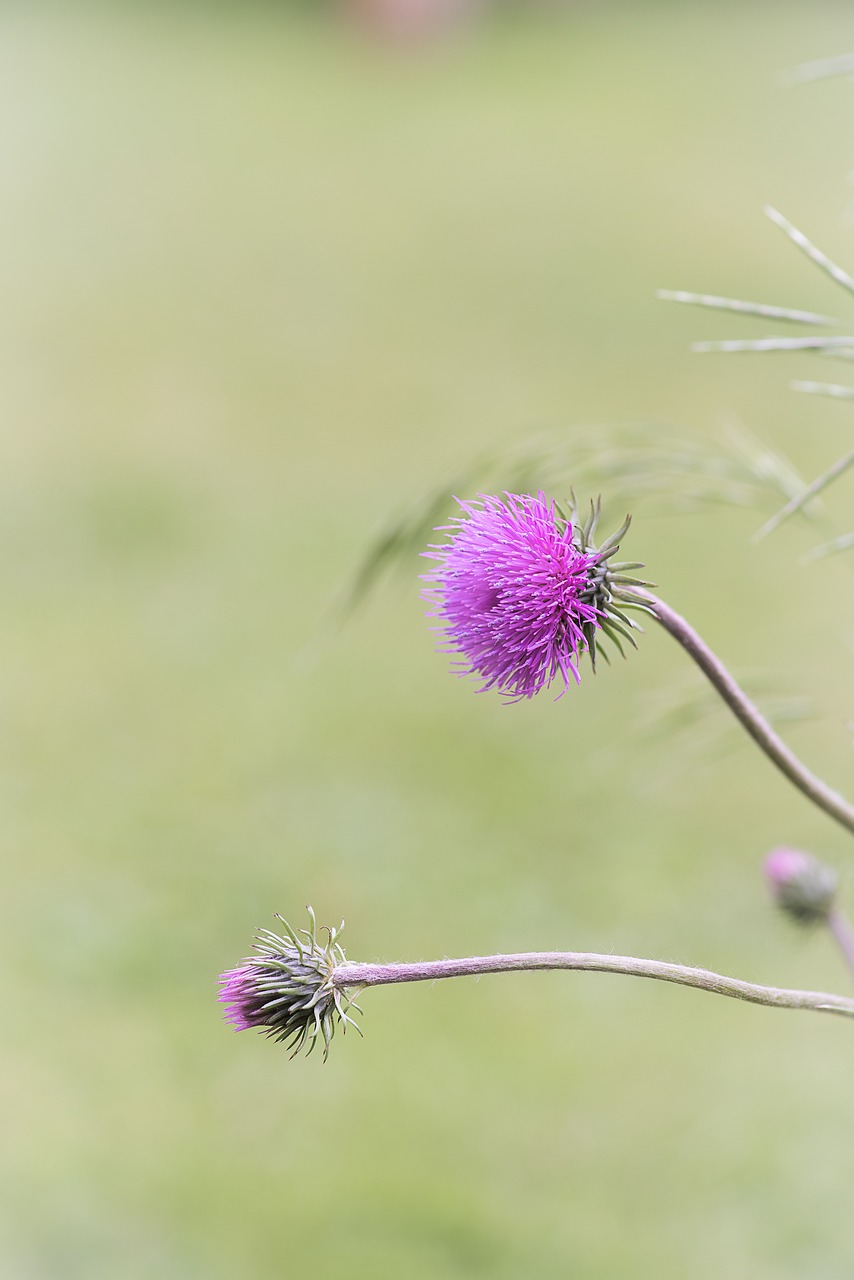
<point x="263" y="283"/>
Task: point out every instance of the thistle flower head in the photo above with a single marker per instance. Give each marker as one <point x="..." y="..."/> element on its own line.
<point x="801" y="886"/>
<point x="286" y="989"/>
<point x="522" y="593"/>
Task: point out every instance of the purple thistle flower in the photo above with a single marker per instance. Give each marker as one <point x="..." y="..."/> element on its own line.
<point x="515" y="593"/>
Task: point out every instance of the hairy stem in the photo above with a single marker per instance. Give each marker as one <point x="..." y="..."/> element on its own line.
<point x="376" y="975"/>
<point x="833" y="804"/>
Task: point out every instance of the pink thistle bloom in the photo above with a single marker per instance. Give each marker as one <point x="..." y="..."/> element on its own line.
<point x="245" y="1008"/>
<point x="514" y="594"/>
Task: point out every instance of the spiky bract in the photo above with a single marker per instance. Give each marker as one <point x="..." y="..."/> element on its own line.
<point x="286" y="990"/>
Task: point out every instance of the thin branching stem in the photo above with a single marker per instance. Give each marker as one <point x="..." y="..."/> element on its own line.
<point x="376" y="975"/>
<point x="801" y="499"/>
<point x="836" y="390"/>
<point x="761" y="309"/>
<point x="833" y="804"/>
<point x="844" y="343"/>
<point x="843" y="543"/>
<point x="806" y="246"/>
<point x="823" y="68"/>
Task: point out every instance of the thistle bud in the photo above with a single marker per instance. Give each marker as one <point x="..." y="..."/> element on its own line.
<point x="801" y="885"/>
<point x="286" y="990"/>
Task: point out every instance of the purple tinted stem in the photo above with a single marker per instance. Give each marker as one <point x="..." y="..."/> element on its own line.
<point x="840" y="927"/>
<point x="376" y="975"/>
<point x="833" y="804"/>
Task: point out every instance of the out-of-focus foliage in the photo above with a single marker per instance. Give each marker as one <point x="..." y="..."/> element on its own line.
<point x="840" y="347"/>
<point x="651" y="466"/>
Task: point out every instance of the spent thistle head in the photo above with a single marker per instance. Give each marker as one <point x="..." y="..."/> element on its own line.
<point x="286" y="990"/>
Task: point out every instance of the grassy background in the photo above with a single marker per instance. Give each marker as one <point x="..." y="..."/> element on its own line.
<point x="262" y="284"/>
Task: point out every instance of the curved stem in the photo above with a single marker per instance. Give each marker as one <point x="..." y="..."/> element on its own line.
<point x="833" y="804"/>
<point x="843" y="934"/>
<point x="376" y="975"/>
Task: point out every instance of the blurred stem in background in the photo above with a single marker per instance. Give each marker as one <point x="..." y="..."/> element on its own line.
<point x="840" y="926"/>
<point x="836" y="346"/>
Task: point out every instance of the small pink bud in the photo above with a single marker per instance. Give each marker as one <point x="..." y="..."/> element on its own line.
<point x="801" y="885"/>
